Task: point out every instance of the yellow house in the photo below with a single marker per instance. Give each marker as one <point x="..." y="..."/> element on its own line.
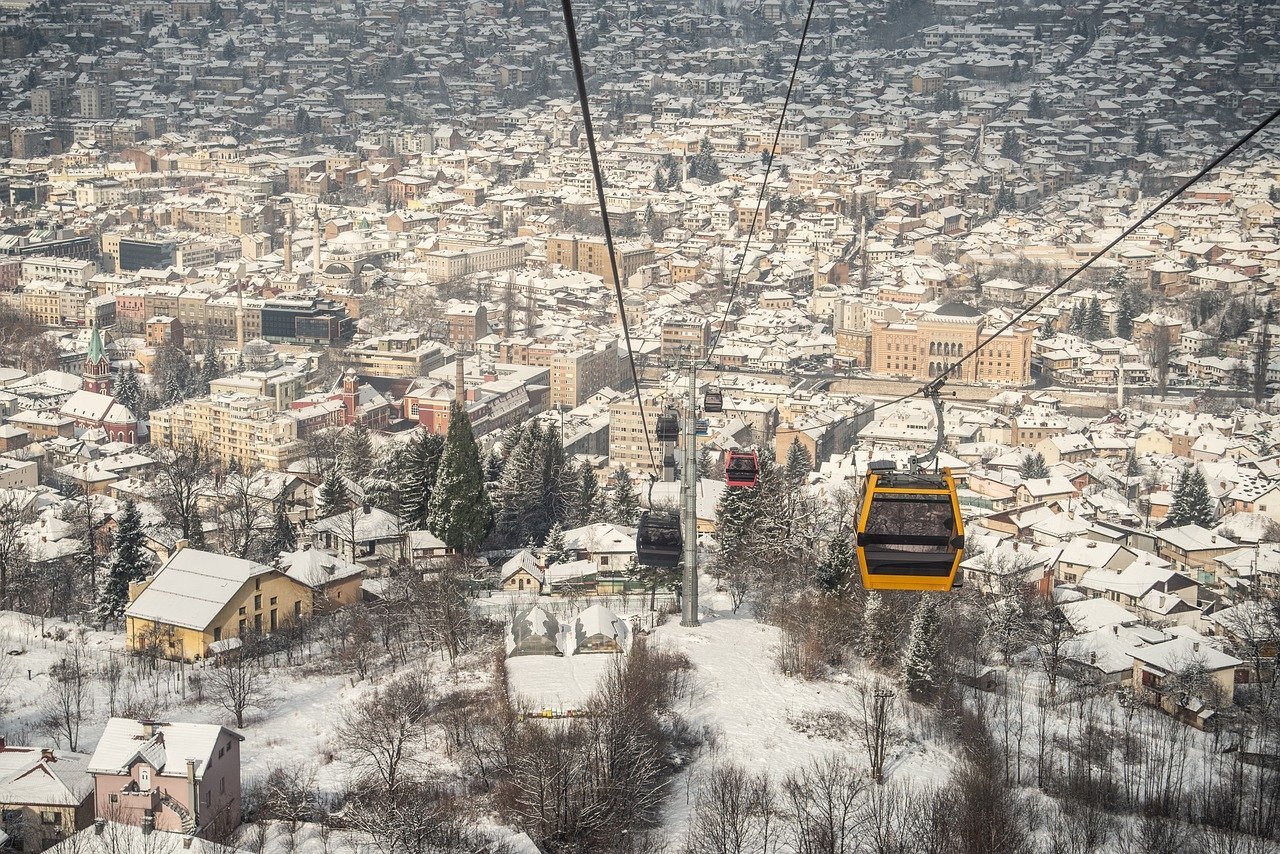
<point x="199" y="598"/>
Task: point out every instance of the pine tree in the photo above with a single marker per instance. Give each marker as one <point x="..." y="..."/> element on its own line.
<point x="835" y="571"/>
<point x="334" y="497"/>
<point x="1131" y="465"/>
<point x="129" y="562"/>
<point x="128" y="392"/>
<point x="1192" y="503"/>
<point x="284" y="537"/>
<point x="520" y="488"/>
<point x="554" y="546"/>
<point x="1124" y="314"/>
<point x="386" y="479"/>
<point x="355" y="453"/>
<point x="460" y="512"/>
<point x="1095" y="323"/>
<point x="211" y="367"/>
<point x="1035" y="107"/>
<point x="736" y="516"/>
<point x="878" y="642"/>
<point x="587" y="501"/>
<point x="920" y="668"/>
<point x="421" y="462"/>
<point x="1075" y="323"/>
<point x="1033" y="466"/>
<point x="624" y="504"/>
<point x="799" y="465"/>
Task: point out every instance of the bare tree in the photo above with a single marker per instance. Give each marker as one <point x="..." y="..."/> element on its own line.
<point x="69" y="698"/>
<point x="821" y="803"/>
<point x="181" y="480"/>
<point x="15" y="515"/>
<point x="1161" y="345"/>
<point x="238" y="681"/>
<point x="735" y="813"/>
<point x="875" y="705"/>
<point x="381" y="735"/>
<point x="290" y="794"/>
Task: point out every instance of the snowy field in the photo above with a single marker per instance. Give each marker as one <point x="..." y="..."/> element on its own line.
<point x="757" y="716"/>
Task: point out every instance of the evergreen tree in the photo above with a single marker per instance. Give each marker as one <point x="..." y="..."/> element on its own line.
<point x="1095" y="323"/>
<point x="837" y="568"/>
<point x="420" y="463"/>
<point x="587" y="501"/>
<point x="1124" y="314"/>
<point x="1033" y="466"/>
<point x="1131" y="465"/>
<point x="1192" y="503"/>
<point x="553" y="547"/>
<point x="921" y="669"/>
<point x="129" y="392"/>
<point x="333" y="497"/>
<point x="355" y="453"/>
<point x="736" y="515"/>
<point x="878" y="643"/>
<point x="624" y="504"/>
<point x="1035" y="107"/>
<point x="386" y="478"/>
<point x="211" y="367"/>
<point x="520" y="487"/>
<point x="129" y="562"/>
<point x="460" y="512"/>
<point x="283" y="536"/>
<point x="799" y="465"/>
<point x="1075" y="322"/>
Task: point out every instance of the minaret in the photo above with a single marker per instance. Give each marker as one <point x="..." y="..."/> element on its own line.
<point x="286" y="243"/>
<point x="96" y="376"/>
<point x="240" y="317"/>
<point x="315" y="245"/>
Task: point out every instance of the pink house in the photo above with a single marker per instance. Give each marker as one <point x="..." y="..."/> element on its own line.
<point x="180" y="777"/>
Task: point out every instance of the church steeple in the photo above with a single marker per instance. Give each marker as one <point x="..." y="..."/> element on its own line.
<point x="97" y="367"/>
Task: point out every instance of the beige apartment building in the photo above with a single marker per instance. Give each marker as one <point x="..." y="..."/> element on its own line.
<point x="443" y="265"/>
<point x="71" y="270"/>
<point x="402" y="354"/>
<point x="926" y="346"/>
<point x="589" y="255"/>
<point x="685" y="337"/>
<point x="627" y="446"/>
<point x="578" y="374"/>
<point x="240" y="428"/>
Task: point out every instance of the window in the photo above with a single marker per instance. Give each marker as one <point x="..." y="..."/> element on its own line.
<point x="273" y="619"/>
<point x="243" y="625"/>
<point x="217" y="633"/>
<point x="273" y="600"/>
<point x="222" y="786"/>
<point x="114" y="799"/>
<point x="50" y="817"/>
<point x="242" y="612"/>
<point x="144" y="779"/>
<point x="297" y="608"/>
<point x="257" y="622"/>
<point x="257" y="584"/>
<point x="257" y="602"/>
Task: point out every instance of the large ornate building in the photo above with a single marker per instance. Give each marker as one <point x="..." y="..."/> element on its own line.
<point x="93" y="407"/>
<point x="922" y="345"/>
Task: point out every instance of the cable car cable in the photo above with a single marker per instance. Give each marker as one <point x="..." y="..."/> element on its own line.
<point x="764" y="186"/>
<point x="575" y="51"/>
<point x="1167" y="200"/>
<point x="936" y="383"/>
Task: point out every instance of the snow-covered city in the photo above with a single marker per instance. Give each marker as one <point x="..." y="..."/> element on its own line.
<point x="725" y="427"/>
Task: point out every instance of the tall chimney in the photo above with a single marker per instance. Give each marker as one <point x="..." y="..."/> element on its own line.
<point x="459" y="379"/>
<point x="315" y="246"/>
<point x="193" y="796"/>
<point x="286" y="242"/>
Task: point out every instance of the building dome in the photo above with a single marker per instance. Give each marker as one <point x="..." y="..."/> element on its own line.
<point x="259" y="355"/>
<point x="957" y="309"/>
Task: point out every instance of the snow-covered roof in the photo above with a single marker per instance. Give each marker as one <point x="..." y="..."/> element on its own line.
<point x="371" y="523"/>
<point x="316" y="567"/>
<point x="192" y="587"/>
<point x="167" y="749"/>
<point x="1182" y="652"/>
<point x="116" y="837"/>
<point x="29" y="776"/>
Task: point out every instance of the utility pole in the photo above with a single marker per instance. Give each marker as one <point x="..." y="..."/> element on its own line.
<point x="689" y="501"/>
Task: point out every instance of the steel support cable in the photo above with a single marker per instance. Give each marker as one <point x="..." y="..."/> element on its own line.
<point x="764" y="186"/>
<point x="575" y="51"/>
<point x="1217" y="161"/>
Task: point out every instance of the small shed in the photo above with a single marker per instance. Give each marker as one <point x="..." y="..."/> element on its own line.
<point x="533" y="632"/>
<point x="597" y="629"/>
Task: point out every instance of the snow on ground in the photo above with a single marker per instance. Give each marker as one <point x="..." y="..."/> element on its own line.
<point x="295" y="727"/>
<point x="750" y="707"/>
<point x="556" y="682"/>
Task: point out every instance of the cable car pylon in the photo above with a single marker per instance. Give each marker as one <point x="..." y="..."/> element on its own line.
<point x="689" y="502"/>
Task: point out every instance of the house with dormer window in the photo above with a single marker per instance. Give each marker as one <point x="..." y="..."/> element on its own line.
<point x="177" y="777"/>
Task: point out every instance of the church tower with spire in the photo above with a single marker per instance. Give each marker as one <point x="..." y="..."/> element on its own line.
<point x="96" y="376"/>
